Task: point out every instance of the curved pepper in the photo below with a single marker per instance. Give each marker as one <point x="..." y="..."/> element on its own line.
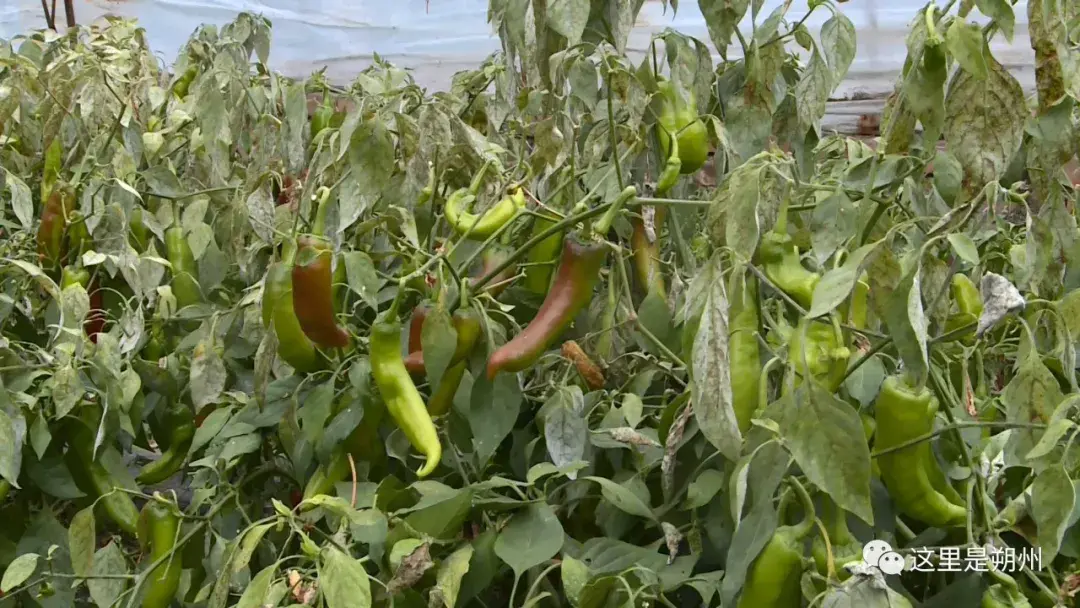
<point x="399" y="393"/>
<point x="647" y="252"/>
<point x="969" y="302"/>
<point x="294" y="347"/>
<point x="782" y="265"/>
<point x="467" y="325"/>
<point x="902" y="414"/>
<point x="672" y="168"/>
<point x="313" y="293"/>
<point x="579" y="270"/>
<point x="53" y="226"/>
<point x="542" y="258"/>
<point x="774" y="575"/>
<point x="116" y="504"/>
<point x="680" y="118"/>
<point x="183" y="84"/>
<point x="442" y="398"/>
<point x="845" y="547"/>
<point x="479" y="227"/>
<point x="178" y="251"/>
<point x="362" y="443"/>
<point x="321" y="117"/>
<point x="181" y="429"/>
<point x="159" y="525"/>
<point x="744" y="354"/>
<point x="826" y="356"/>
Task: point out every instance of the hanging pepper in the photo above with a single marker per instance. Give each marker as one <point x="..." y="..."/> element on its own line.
<point x="294" y="347"/>
<point x="845" y="547"/>
<point x="184" y="285"/>
<point x="646" y="250"/>
<point x="672" y="168"/>
<point x="416" y="326"/>
<point x="542" y="258"/>
<point x="479" y="227"/>
<point x="181" y="430"/>
<point x="826" y="356"/>
<point x="902" y="414"/>
<point x="139" y="236"/>
<point x="399" y="393"/>
<point x="312" y="279"/>
<point x="159" y="526"/>
<point x="571" y="291"/>
<point x="362" y="443"/>
<point x="782" y="265"/>
<point x="969" y="302"/>
<point x="467" y="325"/>
<point x="744" y="354"/>
<point x="442" y="398"/>
<point x="678" y="117"/>
<point x="183" y="84"/>
<point x="53" y="226"/>
<point x="579" y="270"/>
<point x="95" y="478"/>
<point x="321" y="117"/>
<point x="774" y="575"/>
<point x="79" y="239"/>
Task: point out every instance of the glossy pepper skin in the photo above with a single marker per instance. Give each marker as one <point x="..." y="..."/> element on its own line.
<point x="467" y="325"/>
<point x="773" y="578"/>
<point x="480" y="227"/>
<point x="159" y="525"/>
<point x="679" y="117"/>
<point x="53" y="227"/>
<point x="579" y="270"/>
<point x="116" y="504"/>
<point x="294" y="347"/>
<point x="178" y="251"/>
<point x="313" y="293"/>
<point x="402" y="400"/>
<point x="181" y="429"/>
<point x="744" y="354"/>
<point x="903" y="413"/>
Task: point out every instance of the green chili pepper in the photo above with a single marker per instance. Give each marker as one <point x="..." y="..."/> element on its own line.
<point x="679" y="120"/>
<point x="139" y="236"/>
<point x="476" y="226"/>
<point x="672" y="168"/>
<point x="647" y="265"/>
<point x="159" y="525"/>
<point x="321" y="117"/>
<point x="184" y="285"/>
<point x="294" y="347"/>
<point x="53" y="227"/>
<point x="744" y="354"/>
<point x="313" y="289"/>
<point x="826" y="356"/>
<point x="845" y="547"/>
<point x="902" y="414"/>
<point x="96" y="480"/>
<point x="181" y="431"/>
<point x="969" y="302"/>
<point x="399" y="393"/>
<point x="773" y="578"/>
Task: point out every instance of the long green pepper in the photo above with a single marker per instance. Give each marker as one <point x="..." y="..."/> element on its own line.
<point x="773" y="579"/>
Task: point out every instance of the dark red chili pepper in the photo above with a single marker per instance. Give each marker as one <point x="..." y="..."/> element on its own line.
<point x="54" y="219"/>
<point x="579" y="269"/>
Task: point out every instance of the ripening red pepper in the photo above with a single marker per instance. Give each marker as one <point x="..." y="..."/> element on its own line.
<point x="571" y="290"/>
<point x="51" y="231"/>
<point x="466" y="323"/>
<point x="313" y="277"/>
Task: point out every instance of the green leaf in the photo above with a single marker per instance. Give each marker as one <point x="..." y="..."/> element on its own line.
<point x="19" y="571"/>
<point x="67" y="390"/>
<point x="984" y="122"/>
<point x="343" y="580"/>
<point x="10" y="449"/>
<point x="838" y="44"/>
<point x="1052" y="500"/>
<point x="438" y="338"/>
<point x="835" y="285"/>
<point x="812" y="91"/>
<point x="255" y="594"/>
<point x="108" y="560"/>
<point x="1001" y="11"/>
<point x="703" y="489"/>
<point x="833" y="222"/>
<point x="574" y="575"/>
<point x="832" y="452"/>
<point x="711" y="387"/>
<point x="964" y="247"/>
<point x="966" y="44"/>
<point x="565" y="428"/>
<point x="362" y="277"/>
<point x="451" y="571"/>
<point x="208" y="374"/>
<point x="248" y="544"/>
<point x="493" y="410"/>
<point x="907" y="323"/>
<point x="623" y="498"/>
<point x="81" y="540"/>
<point x="749" y="539"/>
<point x="568" y="18"/>
<point x="1031" y="396"/>
<point x="532" y="537"/>
<point x="722" y="17"/>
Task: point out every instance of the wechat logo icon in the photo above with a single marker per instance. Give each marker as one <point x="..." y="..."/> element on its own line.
<point x="880" y="555"/>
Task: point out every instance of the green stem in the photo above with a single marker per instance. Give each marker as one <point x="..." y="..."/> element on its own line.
<point x="602" y="225"/>
<point x="955" y="427"/>
<point x="318" y="225"/>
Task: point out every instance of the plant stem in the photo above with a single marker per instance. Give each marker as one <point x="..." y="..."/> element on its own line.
<point x="953" y="427"/>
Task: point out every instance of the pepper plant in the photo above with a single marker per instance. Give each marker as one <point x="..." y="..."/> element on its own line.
<point x="594" y="327"/>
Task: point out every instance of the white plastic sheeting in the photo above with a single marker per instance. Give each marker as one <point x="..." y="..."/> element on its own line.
<point x="436" y="38"/>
